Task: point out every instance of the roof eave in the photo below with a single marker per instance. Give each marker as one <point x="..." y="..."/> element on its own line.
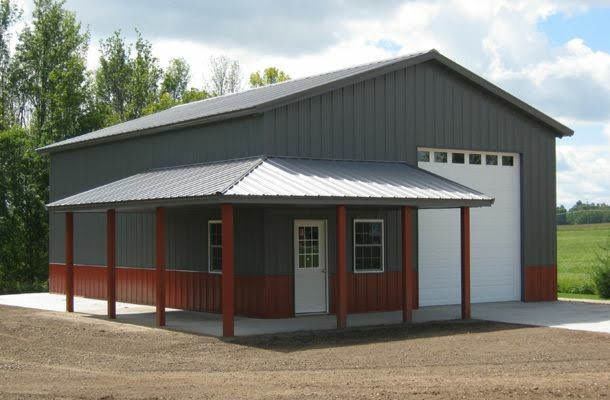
<point x="276" y="200"/>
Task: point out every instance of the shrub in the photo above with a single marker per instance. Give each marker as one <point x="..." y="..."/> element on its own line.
<point x="601" y="272"/>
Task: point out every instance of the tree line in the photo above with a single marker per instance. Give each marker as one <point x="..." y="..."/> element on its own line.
<point x="583" y="213"/>
<point x="48" y="94"/>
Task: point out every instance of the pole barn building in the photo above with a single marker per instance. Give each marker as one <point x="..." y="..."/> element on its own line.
<point x="388" y="186"/>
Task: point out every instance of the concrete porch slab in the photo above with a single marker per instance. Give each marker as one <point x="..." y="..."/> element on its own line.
<point x="567" y="315"/>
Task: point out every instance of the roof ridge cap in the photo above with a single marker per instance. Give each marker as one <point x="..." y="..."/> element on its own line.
<point x="261" y="159"/>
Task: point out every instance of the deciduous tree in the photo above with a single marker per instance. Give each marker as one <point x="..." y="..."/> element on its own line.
<point x="269" y="76"/>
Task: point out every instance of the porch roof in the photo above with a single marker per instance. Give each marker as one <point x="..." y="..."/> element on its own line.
<point x="280" y="180"/>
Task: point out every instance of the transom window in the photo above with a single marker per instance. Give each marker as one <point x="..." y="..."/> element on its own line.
<point x="368" y="245"/>
<point x="309" y="247"/>
<point x="215" y="246"/>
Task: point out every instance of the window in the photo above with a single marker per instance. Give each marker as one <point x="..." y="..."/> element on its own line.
<point x="368" y="245"/>
<point x="215" y="246"/>
<point x="440" y="156"/>
<point x="309" y="247"/>
<point x="507" y="161"/>
<point x="457" y="158"/>
<point x="423" y="156"/>
<point x="474" y="159"/>
<point x="491" y="159"/>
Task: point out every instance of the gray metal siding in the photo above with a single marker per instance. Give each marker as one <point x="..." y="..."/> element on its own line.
<point x="385" y="118"/>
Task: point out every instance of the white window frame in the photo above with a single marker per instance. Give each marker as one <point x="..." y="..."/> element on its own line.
<point x="368" y="271"/>
<point x="210" y="270"/>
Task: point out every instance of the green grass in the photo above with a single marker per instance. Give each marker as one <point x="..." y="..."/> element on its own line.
<point x="577" y="249"/>
<point x="578" y="296"/>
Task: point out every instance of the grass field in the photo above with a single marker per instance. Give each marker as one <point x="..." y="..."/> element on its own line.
<point x="577" y="249"/>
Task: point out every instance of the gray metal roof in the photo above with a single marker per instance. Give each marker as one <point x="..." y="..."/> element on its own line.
<point x="256" y="100"/>
<point x="271" y="180"/>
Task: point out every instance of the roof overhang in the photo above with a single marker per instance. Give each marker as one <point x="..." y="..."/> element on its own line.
<point x="279" y="181"/>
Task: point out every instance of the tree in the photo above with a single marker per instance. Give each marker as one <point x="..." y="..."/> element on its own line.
<point x="270" y="76"/>
<point x="224" y="76"/>
<point x="49" y="70"/>
<point x="194" y="94"/>
<point x="23" y="217"/>
<point x="145" y="78"/>
<point x="9" y="14"/>
<point x="113" y="77"/>
<point x="176" y="78"/>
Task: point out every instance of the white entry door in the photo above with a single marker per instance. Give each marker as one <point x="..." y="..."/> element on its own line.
<point x="310" y="267"/>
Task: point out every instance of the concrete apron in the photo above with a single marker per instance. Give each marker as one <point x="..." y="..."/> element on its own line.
<point x="567" y="315"/>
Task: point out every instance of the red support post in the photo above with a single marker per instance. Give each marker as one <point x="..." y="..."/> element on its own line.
<point x="69" y="262"/>
<point x="228" y="271"/>
<point x="341" y="297"/>
<point x="111" y="262"/>
<point x="407" y="264"/>
<point x="465" y="260"/>
<point x="160" y="266"/>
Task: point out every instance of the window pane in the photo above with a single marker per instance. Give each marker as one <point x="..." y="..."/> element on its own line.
<point x="491" y="159"/>
<point x="215" y="246"/>
<point x="423" y="156"/>
<point x="368" y="239"/>
<point x="457" y="158"/>
<point x="507" y="161"/>
<point x="440" y="156"/>
<point x="474" y="159"/>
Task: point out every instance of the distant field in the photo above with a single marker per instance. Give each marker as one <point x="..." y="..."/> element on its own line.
<point x="577" y="249"/>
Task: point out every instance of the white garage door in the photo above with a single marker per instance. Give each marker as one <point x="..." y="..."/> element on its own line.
<point x="495" y="230"/>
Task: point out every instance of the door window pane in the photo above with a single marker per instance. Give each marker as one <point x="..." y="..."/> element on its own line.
<point x="507" y="161"/>
<point x="491" y="159"/>
<point x="440" y="156"/>
<point x="474" y="159"/>
<point x="308" y="247"/>
<point x="457" y="158"/>
<point x="423" y="156"/>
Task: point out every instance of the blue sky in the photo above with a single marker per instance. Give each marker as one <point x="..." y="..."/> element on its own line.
<point x="553" y="54"/>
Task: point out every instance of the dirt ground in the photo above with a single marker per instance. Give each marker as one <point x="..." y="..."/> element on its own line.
<point x="57" y="355"/>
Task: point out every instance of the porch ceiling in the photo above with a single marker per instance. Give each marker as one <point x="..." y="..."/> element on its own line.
<point x="280" y="180"/>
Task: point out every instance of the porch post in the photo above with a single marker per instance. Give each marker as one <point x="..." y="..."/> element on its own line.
<point x="228" y="273"/>
<point x="111" y="262"/>
<point x="465" y="239"/>
<point x="407" y="263"/>
<point x="69" y="243"/>
<point x="341" y="296"/>
<point x="160" y="266"/>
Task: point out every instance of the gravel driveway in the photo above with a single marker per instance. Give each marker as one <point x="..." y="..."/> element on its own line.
<point x="47" y="354"/>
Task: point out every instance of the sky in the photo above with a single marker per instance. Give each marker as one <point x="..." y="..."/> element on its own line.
<point x="553" y="54"/>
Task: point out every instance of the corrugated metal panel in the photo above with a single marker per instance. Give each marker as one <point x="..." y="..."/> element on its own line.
<point x="167" y="183"/>
<point x="293" y="177"/>
<point x="229" y="103"/>
<point x="282" y="178"/>
<point x="251" y="99"/>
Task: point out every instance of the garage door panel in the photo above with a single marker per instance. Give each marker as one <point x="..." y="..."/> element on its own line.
<point x="495" y="237"/>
